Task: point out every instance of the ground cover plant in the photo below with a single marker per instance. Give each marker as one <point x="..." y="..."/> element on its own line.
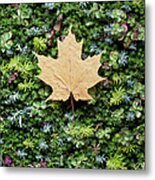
<point x="104" y="133"/>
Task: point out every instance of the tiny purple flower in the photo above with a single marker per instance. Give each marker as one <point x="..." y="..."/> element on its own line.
<point x="43" y="164"/>
<point x="7" y="161"/>
<point x="125" y="27"/>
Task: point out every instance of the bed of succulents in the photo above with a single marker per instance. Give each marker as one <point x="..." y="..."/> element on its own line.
<point x="104" y="133"/>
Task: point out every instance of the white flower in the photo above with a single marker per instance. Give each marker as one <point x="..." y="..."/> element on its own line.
<point x="43" y="145"/>
<point x="46" y="128"/>
<point x="21" y="153"/>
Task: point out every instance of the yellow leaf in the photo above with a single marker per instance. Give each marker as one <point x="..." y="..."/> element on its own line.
<point x="69" y="74"/>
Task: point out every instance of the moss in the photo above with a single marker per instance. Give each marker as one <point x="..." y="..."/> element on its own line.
<point x="105" y="133"/>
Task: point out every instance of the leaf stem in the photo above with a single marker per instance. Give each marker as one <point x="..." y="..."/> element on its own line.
<point x="72" y="102"/>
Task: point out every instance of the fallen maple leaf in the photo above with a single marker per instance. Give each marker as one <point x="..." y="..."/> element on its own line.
<point x="69" y="74"/>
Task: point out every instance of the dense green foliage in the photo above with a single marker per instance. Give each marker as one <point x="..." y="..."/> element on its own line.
<point x="104" y="133"/>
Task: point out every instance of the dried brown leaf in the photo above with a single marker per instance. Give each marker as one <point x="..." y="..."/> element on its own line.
<point x="69" y="74"/>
